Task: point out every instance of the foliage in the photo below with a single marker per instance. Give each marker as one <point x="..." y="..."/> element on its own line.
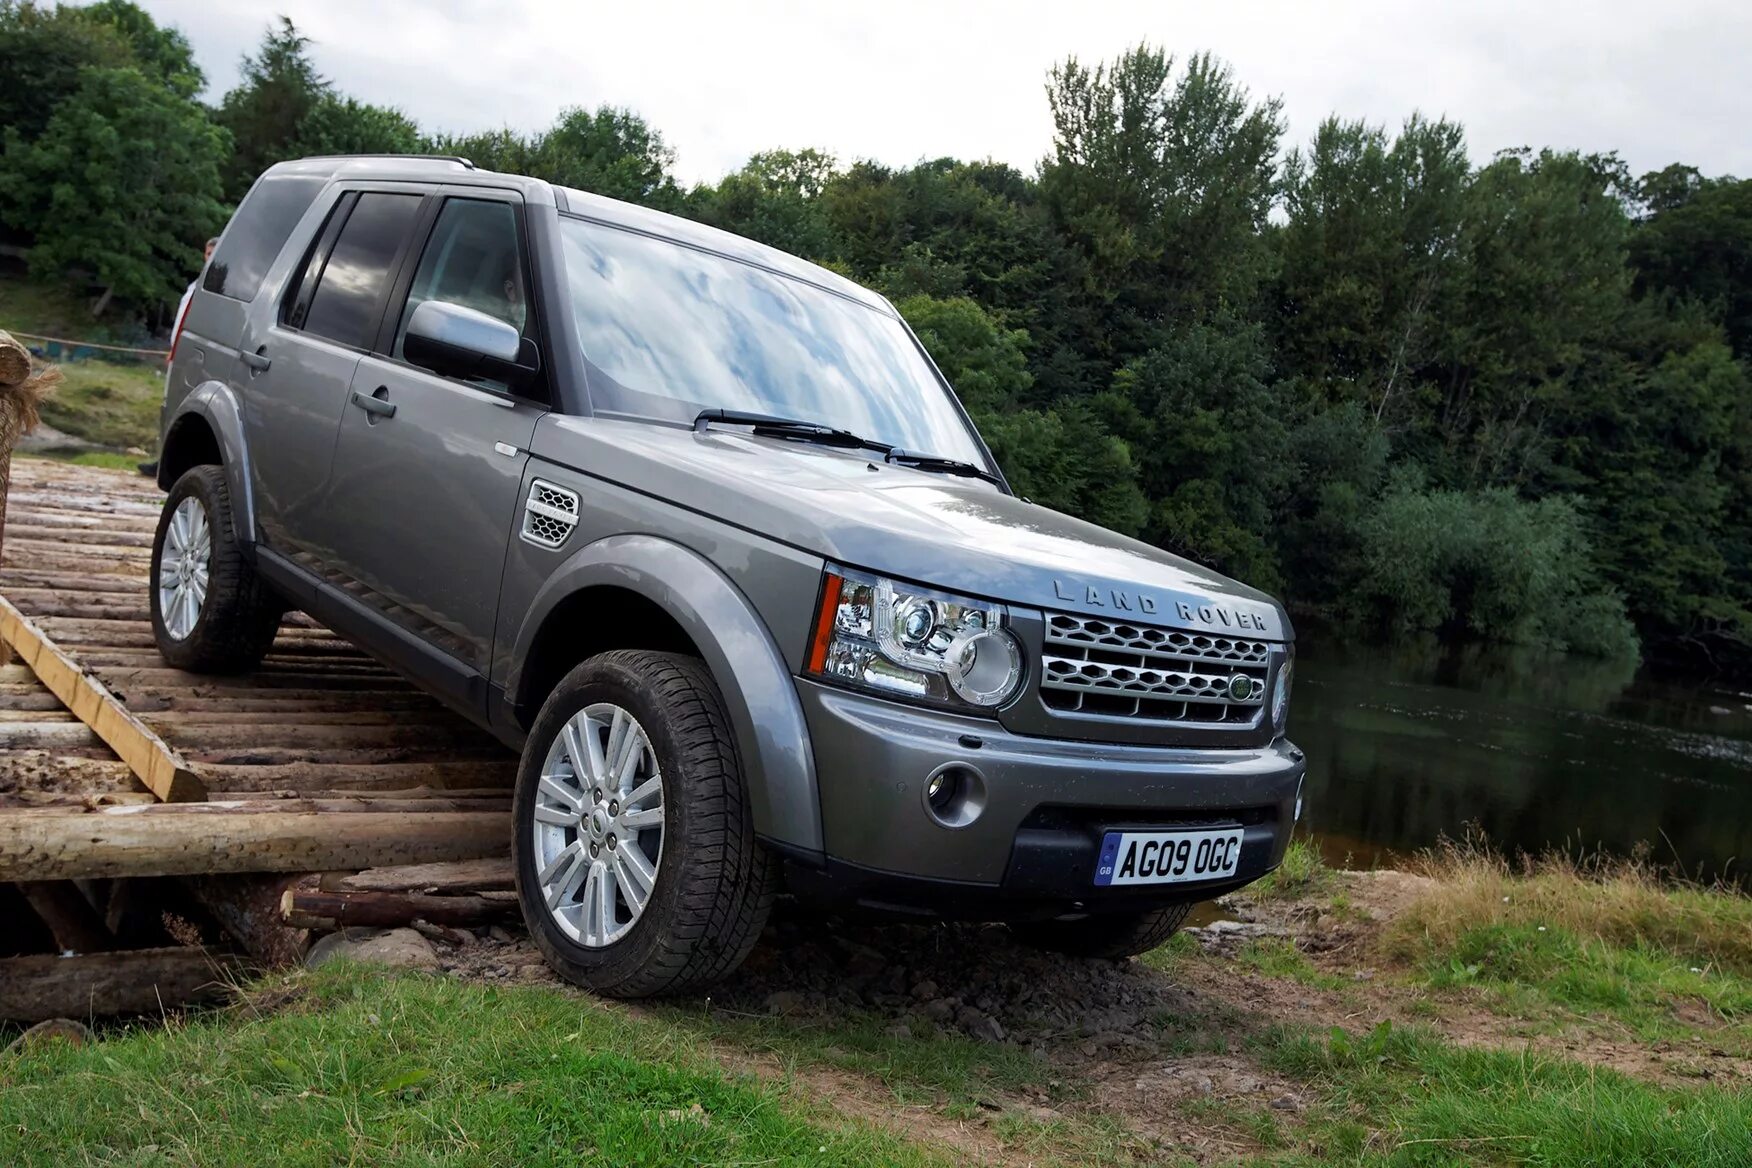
<point x="1487" y="563"/>
<point x="1502" y="399"/>
<point x="379" y="1069"/>
<point x="123" y="181"/>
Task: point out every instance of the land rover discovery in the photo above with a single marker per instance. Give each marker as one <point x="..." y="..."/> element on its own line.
<point x="700" y="529"/>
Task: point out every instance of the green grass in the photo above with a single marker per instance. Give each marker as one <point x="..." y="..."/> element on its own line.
<point x="1404" y="1098"/>
<point x="1642" y="985"/>
<point x="1279" y="957"/>
<point x="109" y="459"/>
<point x="375" y="1069"/>
<point x="111" y="405"/>
<point x="1302" y="874"/>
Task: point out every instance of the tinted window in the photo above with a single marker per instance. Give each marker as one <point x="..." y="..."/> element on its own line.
<point x="345" y="305"/>
<point x="669" y="331"/>
<point x="257" y="233"/>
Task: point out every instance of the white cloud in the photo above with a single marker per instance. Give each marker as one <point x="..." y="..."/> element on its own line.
<point x="910" y="79"/>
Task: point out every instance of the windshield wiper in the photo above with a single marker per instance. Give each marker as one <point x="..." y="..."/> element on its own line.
<point x="941" y="465"/>
<point x="773" y="426"/>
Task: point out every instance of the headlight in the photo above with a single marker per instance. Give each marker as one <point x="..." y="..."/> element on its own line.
<point x="1280" y="693"/>
<point x="915" y="642"/>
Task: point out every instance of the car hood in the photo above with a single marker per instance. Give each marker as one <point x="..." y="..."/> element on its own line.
<point x="957" y="534"/>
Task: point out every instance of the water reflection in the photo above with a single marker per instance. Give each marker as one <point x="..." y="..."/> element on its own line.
<point x="1408" y="743"/>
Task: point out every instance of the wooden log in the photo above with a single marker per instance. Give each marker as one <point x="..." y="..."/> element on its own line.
<point x="72" y="921"/>
<point x="160" y="768"/>
<point x="248" y="906"/>
<point x="341" y="910"/>
<point x="138" y="981"/>
<point x="49" y="772"/>
<point x="461" y="876"/>
<point x="187" y="839"/>
<point x="293" y="804"/>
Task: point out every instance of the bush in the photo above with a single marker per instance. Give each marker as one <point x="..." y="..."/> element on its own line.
<point x="1490" y="564"/>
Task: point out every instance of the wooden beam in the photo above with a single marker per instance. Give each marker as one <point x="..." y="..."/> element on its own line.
<point x="461" y="876"/>
<point x="184" y="839"/>
<point x="138" y="981"/>
<point x="155" y="764"/>
<point x="70" y="918"/>
<point x="339" y="910"/>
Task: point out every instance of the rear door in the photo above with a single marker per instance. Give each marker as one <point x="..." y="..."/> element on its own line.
<point x="426" y="498"/>
<point x="298" y="354"/>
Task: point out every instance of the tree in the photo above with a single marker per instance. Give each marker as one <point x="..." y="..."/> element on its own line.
<point x="608" y="151"/>
<point x="124" y="181"/>
<point x="1694" y="242"/>
<point x="266" y="113"/>
<point x="1064" y="458"/>
<point x="775" y="198"/>
<point x="342" y="125"/>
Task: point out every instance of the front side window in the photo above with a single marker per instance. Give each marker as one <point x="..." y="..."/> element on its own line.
<point x="669" y="330"/>
<point x="472" y="259"/>
<point x="344" y="307"/>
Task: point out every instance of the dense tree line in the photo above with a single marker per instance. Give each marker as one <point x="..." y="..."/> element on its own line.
<point x="1410" y="391"/>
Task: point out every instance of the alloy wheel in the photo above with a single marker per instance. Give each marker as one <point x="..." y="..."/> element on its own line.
<point x="598" y="825"/>
<point x="183" y="564"/>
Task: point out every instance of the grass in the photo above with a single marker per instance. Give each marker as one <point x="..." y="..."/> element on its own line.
<point x="108" y="459"/>
<point x="1279" y="957"/>
<point x="1393" y="1096"/>
<point x="1303" y="874"/>
<point x="111" y="405"/>
<point x="1624" y="903"/>
<point x="375" y="1069"/>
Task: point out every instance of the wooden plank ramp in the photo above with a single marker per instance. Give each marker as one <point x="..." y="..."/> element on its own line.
<point x="321" y="759"/>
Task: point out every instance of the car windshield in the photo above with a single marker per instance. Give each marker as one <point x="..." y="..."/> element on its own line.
<point x="669" y="330"/>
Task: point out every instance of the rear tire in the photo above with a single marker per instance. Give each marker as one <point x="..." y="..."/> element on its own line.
<point x="211" y="613"/>
<point x="1113" y="935"/>
<point x="702" y="912"/>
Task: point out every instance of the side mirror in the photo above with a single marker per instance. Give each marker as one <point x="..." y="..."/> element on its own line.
<point x="455" y="341"/>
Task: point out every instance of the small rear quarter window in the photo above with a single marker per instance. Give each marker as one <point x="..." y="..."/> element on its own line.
<point x="257" y="233"/>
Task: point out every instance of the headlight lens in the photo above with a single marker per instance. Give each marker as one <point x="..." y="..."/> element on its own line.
<point x="916" y="642"/>
<point x="1280" y="693"/>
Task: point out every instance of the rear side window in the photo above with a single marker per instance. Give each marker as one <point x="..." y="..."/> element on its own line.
<point x="257" y="233"/>
<point x="349" y="295"/>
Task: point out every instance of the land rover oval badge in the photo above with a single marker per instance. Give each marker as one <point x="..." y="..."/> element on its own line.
<point x="1241" y="687"/>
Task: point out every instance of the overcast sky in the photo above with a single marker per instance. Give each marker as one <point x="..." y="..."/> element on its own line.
<point x="900" y="80"/>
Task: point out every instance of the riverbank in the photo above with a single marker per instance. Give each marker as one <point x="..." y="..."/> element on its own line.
<point x="1464" y="1013"/>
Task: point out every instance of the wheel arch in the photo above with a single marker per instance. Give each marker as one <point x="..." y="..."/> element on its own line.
<point x="678" y="601"/>
<point x="208" y="429"/>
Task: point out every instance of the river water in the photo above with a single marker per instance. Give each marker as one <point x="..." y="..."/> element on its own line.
<point x="1409" y="743"/>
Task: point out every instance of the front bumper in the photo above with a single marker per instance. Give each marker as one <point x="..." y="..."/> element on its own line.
<point x="1032" y="846"/>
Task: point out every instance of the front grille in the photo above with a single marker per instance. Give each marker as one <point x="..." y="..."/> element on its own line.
<point x="1095" y="666"/>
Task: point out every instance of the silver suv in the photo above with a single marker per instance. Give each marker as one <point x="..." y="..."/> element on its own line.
<point x="700" y="529"/>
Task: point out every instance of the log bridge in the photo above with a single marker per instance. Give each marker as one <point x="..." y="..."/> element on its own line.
<point x="320" y="791"/>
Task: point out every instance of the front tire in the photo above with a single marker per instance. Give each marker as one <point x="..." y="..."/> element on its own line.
<point x="637" y="867"/>
<point x="211" y="613"/>
<point x="1112" y="935"/>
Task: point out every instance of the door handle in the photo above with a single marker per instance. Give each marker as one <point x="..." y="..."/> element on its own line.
<point x="375" y="406"/>
<point x="257" y="361"/>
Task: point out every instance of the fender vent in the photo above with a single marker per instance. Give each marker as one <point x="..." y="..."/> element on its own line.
<point x="549" y="514"/>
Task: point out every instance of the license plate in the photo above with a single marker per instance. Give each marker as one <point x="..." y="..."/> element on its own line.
<point x="1167" y="857"/>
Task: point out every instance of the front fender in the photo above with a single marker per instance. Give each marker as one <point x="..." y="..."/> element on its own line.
<point x="766" y="716"/>
<point x="214" y="403"/>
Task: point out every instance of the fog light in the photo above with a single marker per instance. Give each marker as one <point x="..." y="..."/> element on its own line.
<point x="939" y="791"/>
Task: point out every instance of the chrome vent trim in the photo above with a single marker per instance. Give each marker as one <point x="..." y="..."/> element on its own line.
<point x="1121" y="669"/>
<point x="549" y="514"/>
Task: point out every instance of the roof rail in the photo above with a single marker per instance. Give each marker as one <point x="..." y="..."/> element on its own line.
<point x="423" y="157"/>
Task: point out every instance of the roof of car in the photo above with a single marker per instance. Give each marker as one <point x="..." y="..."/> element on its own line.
<point x="455" y="169"/>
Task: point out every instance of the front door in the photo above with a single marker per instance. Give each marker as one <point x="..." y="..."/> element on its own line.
<point x="423" y="500"/>
<point x="297" y="360"/>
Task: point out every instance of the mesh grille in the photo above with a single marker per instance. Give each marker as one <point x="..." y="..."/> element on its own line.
<point x="1094" y="666"/>
<point x="549" y="514"/>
